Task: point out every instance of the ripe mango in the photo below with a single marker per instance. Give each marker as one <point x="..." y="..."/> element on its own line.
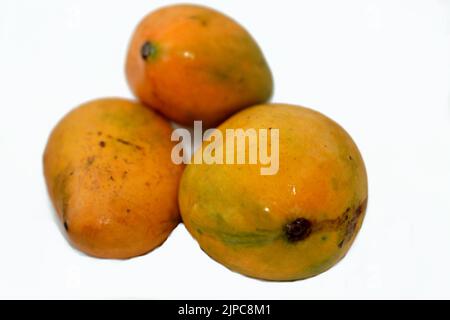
<point x="291" y="225"/>
<point x="191" y="62"/>
<point x="111" y="179"/>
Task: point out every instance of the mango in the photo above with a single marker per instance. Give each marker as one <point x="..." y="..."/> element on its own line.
<point x="290" y="225"/>
<point x="191" y="62"/>
<point x="110" y="177"/>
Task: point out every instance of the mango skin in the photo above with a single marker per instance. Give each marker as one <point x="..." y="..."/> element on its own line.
<point x="110" y="177"/>
<point x="240" y="217"/>
<point x="199" y="65"/>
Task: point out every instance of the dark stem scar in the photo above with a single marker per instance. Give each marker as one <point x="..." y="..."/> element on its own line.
<point x="148" y="49"/>
<point x="298" y="230"/>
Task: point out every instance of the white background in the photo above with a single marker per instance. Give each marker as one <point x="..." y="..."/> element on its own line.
<point x="379" y="68"/>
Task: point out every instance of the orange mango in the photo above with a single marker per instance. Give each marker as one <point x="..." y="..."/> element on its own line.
<point x="191" y="62"/>
<point x="291" y="225"/>
<point x="110" y="177"/>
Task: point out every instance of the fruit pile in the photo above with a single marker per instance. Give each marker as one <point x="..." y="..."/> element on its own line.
<point x="118" y="193"/>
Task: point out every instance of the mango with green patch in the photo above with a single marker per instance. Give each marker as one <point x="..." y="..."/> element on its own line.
<point x="291" y="225"/>
<point x="110" y="177"/>
<point x="194" y="63"/>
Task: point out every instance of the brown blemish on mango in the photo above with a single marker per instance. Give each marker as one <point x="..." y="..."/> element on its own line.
<point x="90" y="160"/>
<point x="121" y="141"/>
<point x="201" y="19"/>
<point x="347" y="222"/>
<point x="352" y="223"/>
<point x="128" y="143"/>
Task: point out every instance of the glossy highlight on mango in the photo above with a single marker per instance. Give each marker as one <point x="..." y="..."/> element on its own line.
<point x="191" y="62"/>
<point x="292" y="225"/>
<point x="110" y="177"/>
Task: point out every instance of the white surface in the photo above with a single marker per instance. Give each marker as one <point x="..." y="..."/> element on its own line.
<point x="379" y="68"/>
